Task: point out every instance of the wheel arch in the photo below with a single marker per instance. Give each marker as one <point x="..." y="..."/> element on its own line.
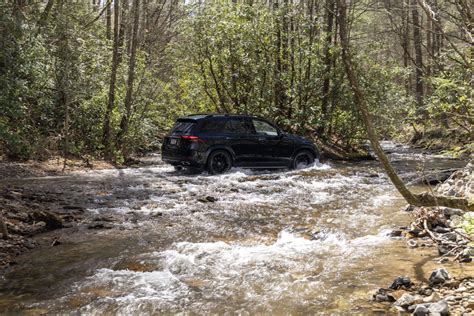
<point x="219" y="147"/>
<point x="313" y="151"/>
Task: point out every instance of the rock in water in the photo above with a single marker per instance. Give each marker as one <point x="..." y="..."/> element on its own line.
<point x="51" y="220"/>
<point x="439" y="308"/>
<point x="406" y="300"/>
<point x="401" y="281"/>
<point x="421" y="310"/>
<point x="439" y="276"/>
<point x="382" y="296"/>
<point x="207" y="199"/>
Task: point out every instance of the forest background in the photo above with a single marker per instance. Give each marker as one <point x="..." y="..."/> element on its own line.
<point x="107" y="78"/>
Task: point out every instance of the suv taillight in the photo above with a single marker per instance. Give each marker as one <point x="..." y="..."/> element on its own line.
<point x="191" y="138"/>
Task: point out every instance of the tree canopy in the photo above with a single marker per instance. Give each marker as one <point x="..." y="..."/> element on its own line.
<point x="108" y="78"/>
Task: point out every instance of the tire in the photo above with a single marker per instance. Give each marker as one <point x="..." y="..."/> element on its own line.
<point x="178" y="168"/>
<point x="302" y="160"/>
<point x="218" y="162"/>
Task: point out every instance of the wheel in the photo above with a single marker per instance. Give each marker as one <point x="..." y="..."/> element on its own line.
<point x="302" y="160"/>
<point x="178" y="168"/>
<point x="219" y="161"/>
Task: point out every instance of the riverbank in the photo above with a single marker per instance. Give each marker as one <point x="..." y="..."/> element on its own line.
<point x="451" y="233"/>
<point x="53" y="166"/>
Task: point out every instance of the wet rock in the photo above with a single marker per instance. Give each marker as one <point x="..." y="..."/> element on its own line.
<point x="382" y="296"/>
<point x="443" y="249"/>
<point x="452" y="211"/>
<point x="425" y="291"/>
<point x="421" y="310"/>
<point x="439" y="308"/>
<point x="439" y="276"/>
<point x="451" y="236"/>
<point x="100" y="225"/>
<point x="441" y="230"/>
<point x="468" y="252"/>
<point x="414" y="233"/>
<point x="207" y="199"/>
<point x="56" y="242"/>
<point x="51" y="220"/>
<point x="396" y="233"/>
<point x="406" y="300"/>
<point x="401" y="282"/>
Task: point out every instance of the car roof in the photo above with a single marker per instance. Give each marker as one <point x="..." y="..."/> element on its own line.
<point x="198" y="117"/>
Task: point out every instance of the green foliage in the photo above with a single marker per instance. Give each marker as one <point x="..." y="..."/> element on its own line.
<point x="275" y="62"/>
<point x="468" y="223"/>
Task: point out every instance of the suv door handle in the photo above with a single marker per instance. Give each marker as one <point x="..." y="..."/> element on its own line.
<point x="261" y="138"/>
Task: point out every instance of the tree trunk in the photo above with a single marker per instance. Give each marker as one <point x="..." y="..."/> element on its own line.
<point x="417" y="42"/>
<point x="327" y="64"/>
<point x="106" y="140"/>
<point x="124" y="124"/>
<point x="423" y="199"/>
<point x="108" y="18"/>
<point x="406" y="43"/>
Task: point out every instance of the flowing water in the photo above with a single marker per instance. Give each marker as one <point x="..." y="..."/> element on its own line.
<point x="307" y="241"/>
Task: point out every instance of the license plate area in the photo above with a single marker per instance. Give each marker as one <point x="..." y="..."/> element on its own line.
<point x="174" y="141"/>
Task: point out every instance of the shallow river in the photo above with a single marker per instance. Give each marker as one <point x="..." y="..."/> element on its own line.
<point x="307" y="241"/>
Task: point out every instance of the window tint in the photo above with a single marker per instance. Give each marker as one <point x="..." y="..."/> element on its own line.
<point x="182" y="128"/>
<point x="213" y="126"/>
<point x="238" y="126"/>
<point x="262" y="127"/>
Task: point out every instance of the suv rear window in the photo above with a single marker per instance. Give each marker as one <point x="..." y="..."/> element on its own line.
<point x="182" y="127"/>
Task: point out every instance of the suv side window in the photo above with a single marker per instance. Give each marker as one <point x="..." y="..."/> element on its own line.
<point x="238" y="126"/>
<point x="213" y="125"/>
<point x="262" y="127"/>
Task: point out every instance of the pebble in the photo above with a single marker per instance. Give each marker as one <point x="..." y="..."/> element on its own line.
<point x="460" y="289"/>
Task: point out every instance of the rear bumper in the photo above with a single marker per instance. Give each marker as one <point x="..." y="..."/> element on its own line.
<point x="195" y="161"/>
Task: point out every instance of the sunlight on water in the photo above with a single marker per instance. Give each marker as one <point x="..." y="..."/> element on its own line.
<point x="191" y="270"/>
<point x="288" y="241"/>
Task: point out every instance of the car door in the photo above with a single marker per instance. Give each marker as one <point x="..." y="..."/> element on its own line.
<point x="276" y="148"/>
<point x="241" y="137"/>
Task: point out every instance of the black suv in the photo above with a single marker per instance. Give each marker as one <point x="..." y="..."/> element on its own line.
<point x="218" y="142"/>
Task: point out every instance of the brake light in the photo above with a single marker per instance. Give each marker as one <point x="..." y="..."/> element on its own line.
<point x="191" y="138"/>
